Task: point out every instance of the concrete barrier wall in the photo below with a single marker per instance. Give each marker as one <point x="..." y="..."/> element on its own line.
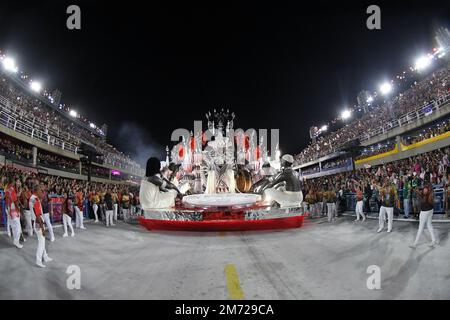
<point x="39" y="144"/>
<point x="55" y="172"/>
<point x="107" y="166"/>
<point x="44" y="146"/>
<point x="407" y="153"/>
<point x="62" y="173"/>
<point x="95" y="179"/>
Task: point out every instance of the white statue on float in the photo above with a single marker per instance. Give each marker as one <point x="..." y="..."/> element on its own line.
<point x="156" y="191"/>
<point x="284" y="188"/>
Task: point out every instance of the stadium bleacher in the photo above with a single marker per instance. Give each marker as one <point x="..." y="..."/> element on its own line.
<point x="405" y="107"/>
<point x="26" y="114"/>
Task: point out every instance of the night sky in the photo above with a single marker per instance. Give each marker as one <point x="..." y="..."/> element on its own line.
<point x="146" y="70"/>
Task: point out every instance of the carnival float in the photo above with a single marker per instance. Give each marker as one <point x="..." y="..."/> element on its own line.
<point x="221" y="180"/>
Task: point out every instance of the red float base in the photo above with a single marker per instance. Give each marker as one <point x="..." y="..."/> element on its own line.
<point x="223" y="225"/>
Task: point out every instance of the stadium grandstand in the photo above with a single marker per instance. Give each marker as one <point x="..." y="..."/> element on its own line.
<point x="38" y="130"/>
<point x="399" y="134"/>
<point x="42" y="139"/>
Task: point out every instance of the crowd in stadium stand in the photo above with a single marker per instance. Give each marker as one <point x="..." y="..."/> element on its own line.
<point x="310" y="170"/>
<point x="334" y="164"/>
<point x="97" y="172"/>
<point x="329" y="165"/>
<point x="32" y="109"/>
<point x="58" y="162"/>
<point x="378" y="149"/>
<point x="55" y="122"/>
<point x="430" y="132"/>
<point x="407" y="174"/>
<point x="18" y="151"/>
<point x="420" y="94"/>
<point x="414" y="137"/>
<point x="15" y="149"/>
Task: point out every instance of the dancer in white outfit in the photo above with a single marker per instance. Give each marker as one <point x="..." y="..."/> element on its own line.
<point x="109" y="209"/>
<point x="359" y="203"/>
<point x="13" y="212"/>
<point x="67" y="211"/>
<point x="46" y="209"/>
<point x="388" y="199"/>
<point x="426" y="215"/>
<point x="115" y="204"/>
<point x="330" y="197"/>
<point x="95" y="200"/>
<point x="79" y="197"/>
<point x="8" y="225"/>
<point x="24" y="201"/>
<point x="36" y="208"/>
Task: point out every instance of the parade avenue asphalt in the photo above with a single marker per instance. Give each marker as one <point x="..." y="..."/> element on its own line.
<point x="321" y="260"/>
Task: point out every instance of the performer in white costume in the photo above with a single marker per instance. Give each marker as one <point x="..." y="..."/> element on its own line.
<point x="389" y="199"/>
<point x="290" y="194"/>
<point x="426" y="214"/>
<point x="46" y="208"/>
<point x="109" y="209"/>
<point x="68" y="213"/>
<point x="156" y="192"/>
<point x="36" y="209"/>
<point x="13" y="211"/>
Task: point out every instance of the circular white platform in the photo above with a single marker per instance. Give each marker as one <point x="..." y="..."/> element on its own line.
<point x="222" y="199"/>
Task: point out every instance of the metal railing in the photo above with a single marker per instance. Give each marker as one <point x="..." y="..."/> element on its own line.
<point x="403" y="120"/>
<point x="13" y="122"/>
<point x="38" y="130"/>
<point x="36" y="122"/>
<point x="439" y="205"/>
<point x="408" y="118"/>
<point x="134" y="169"/>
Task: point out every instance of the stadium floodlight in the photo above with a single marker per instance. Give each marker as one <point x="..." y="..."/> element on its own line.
<point x="9" y="64"/>
<point x="324" y="128"/>
<point x="385" y="88"/>
<point x="422" y="62"/>
<point x="35" y="86"/>
<point x="345" y="114"/>
<point x="92" y="125"/>
<point x="73" y="113"/>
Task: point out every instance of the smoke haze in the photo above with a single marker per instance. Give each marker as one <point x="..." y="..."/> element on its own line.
<point x="138" y="144"/>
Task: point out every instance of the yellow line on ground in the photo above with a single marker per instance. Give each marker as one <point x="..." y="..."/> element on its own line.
<point x="233" y="285"/>
<point x="222" y="233"/>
